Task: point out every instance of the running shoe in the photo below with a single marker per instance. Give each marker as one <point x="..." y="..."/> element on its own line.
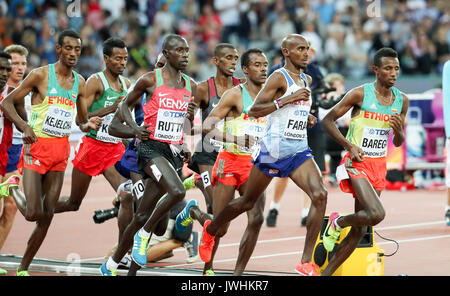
<point x="189" y="182"/>
<point x="139" y="252"/>
<point x="12" y="181"/>
<point x="107" y="272"/>
<point x="191" y="247"/>
<point x="209" y="272"/>
<point x="22" y="273"/>
<point x="331" y="233"/>
<point x="307" y="269"/>
<point x="3" y="271"/>
<point x="184" y="218"/>
<point x="207" y="244"/>
<point x="271" y="219"/>
<point x="447" y="217"/>
<point x="125" y="263"/>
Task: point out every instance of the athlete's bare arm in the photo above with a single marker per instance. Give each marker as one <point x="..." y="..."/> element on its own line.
<point x="117" y="129"/>
<point x="274" y="88"/>
<point x="397" y="123"/>
<point x="32" y="83"/>
<point x="82" y="120"/>
<point x="353" y="99"/>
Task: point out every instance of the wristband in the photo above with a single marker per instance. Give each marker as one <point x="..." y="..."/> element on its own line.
<point x="276" y="104"/>
<point x="279" y="103"/>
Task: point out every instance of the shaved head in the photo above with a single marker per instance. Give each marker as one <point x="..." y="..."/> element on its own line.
<point x="292" y="40"/>
<point x="172" y="40"/>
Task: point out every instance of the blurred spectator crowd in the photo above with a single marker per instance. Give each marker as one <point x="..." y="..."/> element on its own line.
<point x="344" y="33"/>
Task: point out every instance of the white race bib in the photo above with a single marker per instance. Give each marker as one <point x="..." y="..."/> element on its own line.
<point x="102" y="133"/>
<point x="2" y="126"/>
<point x="296" y="123"/>
<point x="374" y="141"/>
<point x="58" y="122"/>
<point x="169" y="125"/>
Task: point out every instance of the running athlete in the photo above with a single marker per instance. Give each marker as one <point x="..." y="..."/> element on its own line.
<point x="168" y="93"/>
<point x="283" y="151"/>
<point x="234" y="162"/>
<point x="378" y="109"/>
<point x="5" y="143"/>
<point x="57" y="93"/>
<point x="208" y="95"/>
<point x="19" y="65"/>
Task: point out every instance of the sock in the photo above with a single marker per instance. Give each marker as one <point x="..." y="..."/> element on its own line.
<point x="336" y="224"/>
<point x="143" y="233"/>
<point x="305" y="212"/>
<point x="110" y="264"/>
<point x="274" y="205"/>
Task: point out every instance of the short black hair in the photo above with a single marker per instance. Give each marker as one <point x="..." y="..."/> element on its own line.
<point x="111" y="43"/>
<point x="67" y="33"/>
<point x="245" y="58"/>
<point x="383" y="52"/>
<point x="219" y="47"/>
<point x="167" y="43"/>
<point x="4" y="54"/>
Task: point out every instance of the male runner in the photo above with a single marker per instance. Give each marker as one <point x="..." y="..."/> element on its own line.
<point x="168" y="93"/>
<point x="234" y="162"/>
<point x="19" y="65"/>
<point x="5" y="142"/>
<point x="57" y="93"/>
<point x="286" y="100"/>
<point x="208" y="95"/>
<point x="98" y="151"/>
<point x="378" y="108"/>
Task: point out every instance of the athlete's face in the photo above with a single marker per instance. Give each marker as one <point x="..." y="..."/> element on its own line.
<point x="297" y="50"/>
<point x="227" y="60"/>
<point x="69" y="51"/>
<point x="256" y="71"/>
<point x="5" y="71"/>
<point x="388" y="71"/>
<point x="117" y="62"/>
<point x="178" y="54"/>
<point x="19" y="66"/>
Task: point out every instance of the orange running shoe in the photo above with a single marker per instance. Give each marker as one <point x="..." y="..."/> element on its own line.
<point x="307" y="269"/>
<point x="207" y="244"/>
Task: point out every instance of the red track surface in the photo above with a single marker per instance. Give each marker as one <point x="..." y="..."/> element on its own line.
<point x="414" y="219"/>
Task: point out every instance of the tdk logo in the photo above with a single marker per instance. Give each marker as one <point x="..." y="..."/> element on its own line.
<point x="379" y="132"/>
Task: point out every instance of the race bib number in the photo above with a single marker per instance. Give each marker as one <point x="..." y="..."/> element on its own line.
<point x="374" y="141"/>
<point x="102" y="133"/>
<point x="138" y="189"/>
<point x="206" y="179"/>
<point x="169" y="125"/>
<point x="296" y="124"/>
<point x="58" y="122"/>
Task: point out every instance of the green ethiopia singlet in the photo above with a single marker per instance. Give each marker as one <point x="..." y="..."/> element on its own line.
<point x="370" y="130"/>
<point x="53" y="117"/>
<point x="108" y="98"/>
<point x="242" y="125"/>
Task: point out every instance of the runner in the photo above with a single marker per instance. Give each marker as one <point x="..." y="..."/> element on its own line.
<point x="168" y="106"/>
<point x="378" y="108"/>
<point x="57" y="93"/>
<point x="19" y="65"/>
<point x="209" y="93"/>
<point x="5" y="142"/>
<point x="286" y="100"/>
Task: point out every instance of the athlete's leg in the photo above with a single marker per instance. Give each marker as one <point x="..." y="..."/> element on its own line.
<point x="309" y="179"/>
<point x="248" y="242"/>
<point x="79" y="188"/>
<point x="8" y="213"/>
<point x="29" y="202"/>
<point x="51" y="187"/>
<point x="222" y="195"/>
<point x="204" y="184"/>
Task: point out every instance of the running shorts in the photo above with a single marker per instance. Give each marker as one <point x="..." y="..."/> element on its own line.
<point x="47" y="154"/>
<point x="13" y="157"/>
<point x="372" y="169"/>
<point x="231" y="169"/>
<point x="282" y="167"/>
<point x="93" y="157"/>
<point x="150" y="149"/>
<point x="202" y="158"/>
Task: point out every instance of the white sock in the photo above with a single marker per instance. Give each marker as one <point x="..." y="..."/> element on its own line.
<point x="305" y="212"/>
<point x="143" y="233"/>
<point x="274" y="205"/>
<point x="336" y="224"/>
<point x="110" y="264"/>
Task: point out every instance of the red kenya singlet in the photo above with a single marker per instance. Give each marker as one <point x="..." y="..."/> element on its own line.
<point x="166" y="110"/>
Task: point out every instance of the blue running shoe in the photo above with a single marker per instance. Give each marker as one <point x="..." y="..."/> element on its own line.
<point x="184" y="218"/>
<point x="139" y="252"/>
<point x="107" y="272"/>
